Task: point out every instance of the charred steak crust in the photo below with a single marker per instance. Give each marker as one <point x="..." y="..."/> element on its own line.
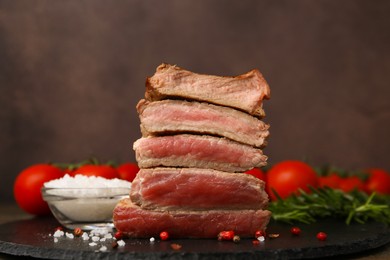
<point x="136" y="222"/>
<point x="197" y="189"/>
<point x="178" y="116"/>
<point x="244" y="92"/>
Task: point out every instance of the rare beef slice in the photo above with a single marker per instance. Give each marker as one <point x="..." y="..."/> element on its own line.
<point x="196" y="189"/>
<point x="136" y="222"/>
<point x="197" y="151"/>
<point x="178" y="116"/>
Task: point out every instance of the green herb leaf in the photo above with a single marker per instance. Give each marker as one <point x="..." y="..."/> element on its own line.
<point x="355" y="206"/>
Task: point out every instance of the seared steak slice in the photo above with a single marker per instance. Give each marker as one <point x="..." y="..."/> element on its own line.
<point x="197" y="189"/>
<point x="195" y="151"/>
<point x="136" y="222"/>
<point x="177" y="116"/>
<point x="245" y="92"/>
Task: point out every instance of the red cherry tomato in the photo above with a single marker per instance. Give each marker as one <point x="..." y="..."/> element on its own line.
<point x="104" y="171"/>
<point x="257" y="172"/>
<point x="128" y="171"/>
<point x="332" y="181"/>
<point x="288" y="177"/>
<point x="378" y="181"/>
<point x="28" y="184"/>
<point x="351" y="183"/>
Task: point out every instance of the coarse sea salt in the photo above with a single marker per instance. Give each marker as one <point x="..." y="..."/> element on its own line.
<point x="85" y="200"/>
<point x="58" y="233"/>
<point x="69" y="235"/>
<point x="85" y="236"/>
<point x="86" y="186"/>
<point x="121" y="243"/>
<point x="108" y="236"/>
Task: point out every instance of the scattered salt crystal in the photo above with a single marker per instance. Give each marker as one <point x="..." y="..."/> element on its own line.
<point x="69" y="235"/>
<point x="261" y="238"/>
<point x="100" y="232"/>
<point x="92" y="244"/>
<point x="152" y="240"/>
<point x="55" y="240"/>
<point x="58" y="233"/>
<point x="103" y="249"/>
<point x="95" y="238"/>
<point x="85" y="236"/>
<point x="121" y="243"/>
<point x="102" y="239"/>
<point x="108" y="236"/>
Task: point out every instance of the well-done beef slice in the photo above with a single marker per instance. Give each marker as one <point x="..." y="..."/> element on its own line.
<point x="197" y="189"/>
<point x="245" y="92"/>
<point x="197" y="151"/>
<point x="177" y="116"/>
<point x="136" y="222"/>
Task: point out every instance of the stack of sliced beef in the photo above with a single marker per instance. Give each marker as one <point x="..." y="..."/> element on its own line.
<point x="200" y="133"/>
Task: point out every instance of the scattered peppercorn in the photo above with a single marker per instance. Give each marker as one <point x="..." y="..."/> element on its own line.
<point x="77" y="232"/>
<point x="175" y="246"/>
<point x="273" y="235"/>
<point x="114" y="244"/>
<point x="164" y="235"/>
<point x="322" y="236"/>
<point x="260" y="233"/>
<point x="226" y="235"/>
<point x="256" y="242"/>
<point x="295" y="231"/>
<point x="236" y="239"/>
<point x="118" y="235"/>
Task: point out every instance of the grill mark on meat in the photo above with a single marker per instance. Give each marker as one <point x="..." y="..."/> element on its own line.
<point x="136" y="222"/>
<point x="195" y="151"/>
<point x="175" y="116"/>
<point x="197" y="189"/>
<point x="244" y="92"/>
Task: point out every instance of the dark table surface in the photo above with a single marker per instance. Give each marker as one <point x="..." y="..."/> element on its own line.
<point x="11" y="213"/>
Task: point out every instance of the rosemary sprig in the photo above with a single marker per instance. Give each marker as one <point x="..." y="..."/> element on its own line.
<point x="320" y="203"/>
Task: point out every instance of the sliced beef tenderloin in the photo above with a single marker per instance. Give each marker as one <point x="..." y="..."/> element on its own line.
<point x="197" y="189"/>
<point x="244" y="92"/>
<point x="177" y="116"/>
<point x="197" y="151"/>
<point x="136" y="222"/>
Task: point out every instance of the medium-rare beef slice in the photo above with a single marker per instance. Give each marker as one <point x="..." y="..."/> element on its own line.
<point x="177" y="116"/>
<point x="244" y="92"/>
<point x="196" y="189"/>
<point x="197" y="151"/>
<point x="136" y="222"/>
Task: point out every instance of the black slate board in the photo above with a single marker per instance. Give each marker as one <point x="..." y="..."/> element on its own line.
<point x="31" y="238"/>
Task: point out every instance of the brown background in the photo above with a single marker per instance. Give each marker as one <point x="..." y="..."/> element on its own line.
<point x="71" y="73"/>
